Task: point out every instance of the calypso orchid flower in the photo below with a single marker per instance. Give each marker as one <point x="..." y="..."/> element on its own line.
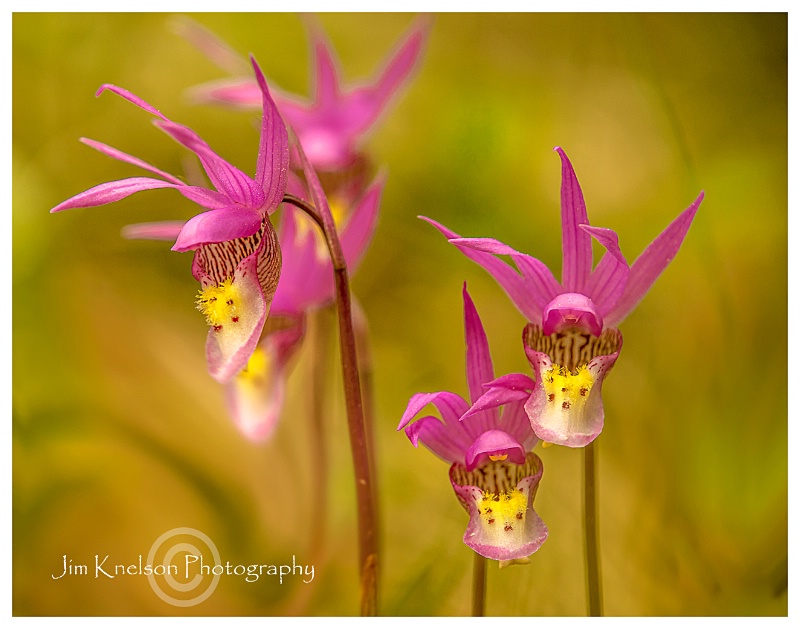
<point x="494" y="472"/>
<point x="571" y="340"/>
<point x="332" y="125"/>
<point x="255" y="396"/>
<point x="237" y="257"/>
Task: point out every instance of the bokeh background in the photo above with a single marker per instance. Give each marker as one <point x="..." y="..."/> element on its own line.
<point x="119" y="434"/>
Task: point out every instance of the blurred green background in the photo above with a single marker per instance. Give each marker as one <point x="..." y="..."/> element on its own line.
<point x="119" y="434"/>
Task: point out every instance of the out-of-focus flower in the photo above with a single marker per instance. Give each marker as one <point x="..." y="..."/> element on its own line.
<point x="494" y="472"/>
<point x="572" y="340"/>
<point x="237" y="257"/>
<point x="331" y="126"/>
<point x="255" y="395"/>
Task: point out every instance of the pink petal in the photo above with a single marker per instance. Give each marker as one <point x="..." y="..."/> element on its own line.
<point x="255" y="399"/>
<point x="111" y="191"/>
<point x="124" y="157"/>
<point x="542" y="286"/>
<point x="130" y="96"/>
<point x="515" y="286"/>
<point x="164" y="230"/>
<point x="577" y="244"/>
<point x="494" y="398"/>
<point x="241" y="93"/>
<point x="516" y="423"/>
<point x="607" y="282"/>
<point x="326" y="86"/>
<point x="273" y="149"/>
<point x="357" y="233"/>
<point x="478" y="359"/>
<point x="402" y="62"/>
<point x="493" y="442"/>
<point x="450" y="405"/>
<point x="226" y="178"/>
<point x="442" y="440"/>
<point x="211" y="46"/>
<point x="653" y="260"/>
<point x="229" y="347"/>
<point x="217" y="226"/>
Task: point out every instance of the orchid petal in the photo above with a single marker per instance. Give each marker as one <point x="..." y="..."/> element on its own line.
<point x="607" y="282"/>
<point x="440" y="439"/>
<point x="401" y="64"/>
<point x="360" y="227"/>
<point x="450" y="405"/>
<point x="226" y="178"/>
<point x="494" y="398"/>
<point x="506" y="539"/>
<point x="273" y="149"/>
<point x="211" y="46"/>
<point x="217" y="226"/>
<point x="255" y="396"/>
<point x="326" y="85"/>
<point x="652" y="262"/>
<point x="242" y="93"/>
<point x="516" y="423"/>
<point x="577" y="244"/>
<point x="493" y="443"/>
<point x="163" y="230"/>
<point x="478" y="359"/>
<point x="130" y="96"/>
<point x="512" y="283"/>
<point x="542" y="286"/>
<point x="130" y="159"/>
<point x="110" y="192"/>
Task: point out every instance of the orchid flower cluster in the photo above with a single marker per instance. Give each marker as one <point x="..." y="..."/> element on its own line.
<point x="571" y="341"/>
<point x="247" y="268"/>
<point x="259" y="283"/>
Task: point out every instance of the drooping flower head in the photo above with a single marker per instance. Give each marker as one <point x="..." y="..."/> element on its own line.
<point x="332" y="125"/>
<point x="255" y="396"/>
<point x="572" y="340"/>
<point x="494" y="472"/>
<point x="237" y="257"/>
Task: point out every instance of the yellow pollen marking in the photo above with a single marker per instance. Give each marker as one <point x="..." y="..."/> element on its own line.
<point x="504" y="510"/>
<point x="547" y="444"/>
<point x="257" y="367"/>
<point x="219" y="303"/>
<point x="498" y="457"/>
<point x="304" y="224"/>
<point x="567" y="390"/>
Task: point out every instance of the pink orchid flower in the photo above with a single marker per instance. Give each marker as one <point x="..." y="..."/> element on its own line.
<point x="237" y="256"/>
<point x="255" y="396"/>
<point x="572" y="339"/>
<point x="332" y="126"/>
<point x="494" y="472"/>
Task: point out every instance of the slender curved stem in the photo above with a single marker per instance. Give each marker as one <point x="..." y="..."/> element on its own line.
<point x="319" y="451"/>
<point x="479" y="585"/>
<point x="365" y="493"/>
<point x="594" y="585"/>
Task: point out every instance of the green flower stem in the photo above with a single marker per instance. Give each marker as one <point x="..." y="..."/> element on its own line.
<point x="359" y="445"/>
<point x="594" y="589"/>
<point x="479" y="585"/>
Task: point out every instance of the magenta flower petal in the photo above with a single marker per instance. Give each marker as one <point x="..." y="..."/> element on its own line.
<point x="255" y="396"/>
<point x="571" y="310"/>
<point x="450" y="405"/>
<point x="163" y="230"/>
<point x="478" y="360"/>
<point x="443" y="441"/>
<point x="514" y="285"/>
<point x="495" y="397"/>
<point x="494" y="445"/>
<point x="217" y="226"/>
<point x="110" y="192"/>
<point x="360" y="227"/>
<point x="226" y="178"/>
<point x="652" y="262"/>
<point x="241" y="93"/>
<point x="607" y="282"/>
<point x="516" y="423"/>
<point x="230" y="344"/>
<point x="130" y="159"/>
<point x="273" y="150"/>
<point x="402" y="63"/>
<point x="504" y="525"/>
<point x="566" y="406"/>
<point x="130" y="96"/>
<point x="577" y="244"/>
